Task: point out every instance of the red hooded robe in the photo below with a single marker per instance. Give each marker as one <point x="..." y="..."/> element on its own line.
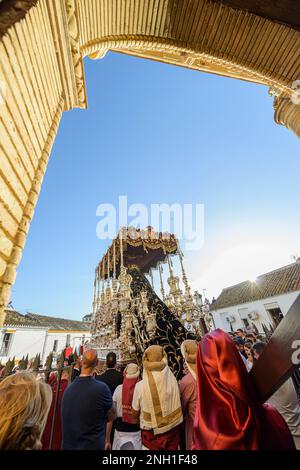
<point x="229" y="415"/>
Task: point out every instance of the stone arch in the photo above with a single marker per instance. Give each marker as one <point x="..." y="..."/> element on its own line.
<point x="42" y="46"/>
<point x="217" y="38"/>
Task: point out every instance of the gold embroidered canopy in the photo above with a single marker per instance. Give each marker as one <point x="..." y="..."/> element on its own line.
<point x="144" y="249"/>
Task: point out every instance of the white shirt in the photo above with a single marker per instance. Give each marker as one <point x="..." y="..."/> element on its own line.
<point x="117" y="399"/>
<point x="122" y="438"/>
<point x="244" y="361"/>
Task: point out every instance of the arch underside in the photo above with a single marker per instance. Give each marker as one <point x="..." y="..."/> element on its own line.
<point x="200" y="34"/>
<point x="41" y="66"/>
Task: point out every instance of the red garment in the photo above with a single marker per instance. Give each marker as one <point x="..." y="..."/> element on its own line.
<point x="52" y="379"/>
<point x="68" y="352"/>
<point x="188" y="395"/>
<point x="275" y="431"/>
<point x="127" y="396"/>
<point x="167" y="441"/>
<point x="229" y="415"/>
<point x="57" y="437"/>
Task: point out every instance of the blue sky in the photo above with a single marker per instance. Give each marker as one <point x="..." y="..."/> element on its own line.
<point x="163" y="134"/>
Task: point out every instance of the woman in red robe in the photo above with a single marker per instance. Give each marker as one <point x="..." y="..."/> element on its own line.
<point x="229" y="415"/>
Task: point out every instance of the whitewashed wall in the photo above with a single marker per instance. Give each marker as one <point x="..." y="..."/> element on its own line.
<point x="24" y="341"/>
<point x="284" y="302"/>
<point x="38" y="341"/>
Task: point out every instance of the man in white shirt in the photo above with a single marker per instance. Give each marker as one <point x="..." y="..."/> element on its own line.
<point x="127" y="429"/>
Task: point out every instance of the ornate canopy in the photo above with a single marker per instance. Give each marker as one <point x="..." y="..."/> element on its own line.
<point x="144" y="249"/>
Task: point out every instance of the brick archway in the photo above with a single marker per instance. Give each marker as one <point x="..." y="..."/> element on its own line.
<point x="42" y="46"/>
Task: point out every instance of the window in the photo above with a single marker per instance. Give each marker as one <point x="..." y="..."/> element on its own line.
<point x="68" y="341"/>
<point x="276" y="315"/>
<point x="274" y="312"/>
<point x="246" y="322"/>
<point x="7" y="338"/>
<point x="55" y="344"/>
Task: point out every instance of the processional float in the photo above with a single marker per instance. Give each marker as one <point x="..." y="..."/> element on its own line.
<point x="128" y="315"/>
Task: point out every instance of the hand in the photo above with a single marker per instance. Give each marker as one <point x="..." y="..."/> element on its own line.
<point x="107" y="445"/>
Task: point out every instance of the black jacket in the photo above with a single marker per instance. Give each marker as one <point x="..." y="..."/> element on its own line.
<point x="112" y="378"/>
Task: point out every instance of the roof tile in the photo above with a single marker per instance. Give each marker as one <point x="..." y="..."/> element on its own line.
<point x="280" y="281"/>
<point x="14" y="318"/>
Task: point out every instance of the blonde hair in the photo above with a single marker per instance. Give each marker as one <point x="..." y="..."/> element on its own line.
<point x="24" y="404"/>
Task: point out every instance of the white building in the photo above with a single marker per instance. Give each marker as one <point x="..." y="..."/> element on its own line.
<point x="36" y="334"/>
<point x="263" y="301"/>
<point x="87" y="318"/>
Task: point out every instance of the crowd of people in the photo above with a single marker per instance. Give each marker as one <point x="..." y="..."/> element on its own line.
<point x="213" y="406"/>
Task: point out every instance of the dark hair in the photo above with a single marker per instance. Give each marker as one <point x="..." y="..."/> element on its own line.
<point x="71" y="359"/>
<point x="239" y="341"/>
<point x="248" y="344"/>
<point x="250" y="338"/>
<point x="260" y="338"/>
<point x="259" y="347"/>
<point x="111" y="360"/>
<point x="240" y="329"/>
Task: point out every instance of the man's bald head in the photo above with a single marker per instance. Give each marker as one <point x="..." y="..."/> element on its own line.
<point x="89" y="360"/>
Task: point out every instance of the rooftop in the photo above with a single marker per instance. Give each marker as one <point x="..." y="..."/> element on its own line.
<point x="278" y="282"/>
<point x="14" y="318"/>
